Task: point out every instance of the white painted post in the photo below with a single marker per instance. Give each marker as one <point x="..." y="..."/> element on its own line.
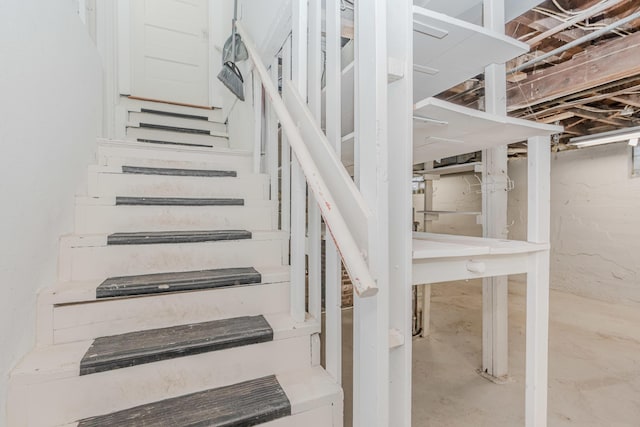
<point x="426" y="289"/>
<point x="333" y="263"/>
<point x="495" y="310"/>
<point x="399" y="142"/>
<point x="537" y="346"/>
<point x="314" y="230"/>
<point x="298" y="182"/>
<point x="272" y="141"/>
<point x="285" y="153"/>
<point x="257" y="122"/>
<point x="371" y="315"/>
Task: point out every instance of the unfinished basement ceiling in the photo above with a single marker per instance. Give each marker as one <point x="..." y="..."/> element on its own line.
<point x="588" y="88"/>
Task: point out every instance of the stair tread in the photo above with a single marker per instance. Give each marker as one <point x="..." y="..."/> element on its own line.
<point x="189" y="236"/>
<point x="247" y="403"/>
<point x="85" y="290"/>
<point x="129" y="144"/>
<point x="161" y="142"/>
<point x="178" y="172"/>
<point x="177" y="201"/>
<point x="175" y="129"/>
<point x="177" y="281"/>
<point x="171" y="114"/>
<point x="135" y="348"/>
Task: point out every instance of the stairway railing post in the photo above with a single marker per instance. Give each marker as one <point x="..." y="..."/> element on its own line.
<point x="400" y="208"/>
<point x="333" y="264"/>
<point x="298" y="182"/>
<point x="371" y="315"/>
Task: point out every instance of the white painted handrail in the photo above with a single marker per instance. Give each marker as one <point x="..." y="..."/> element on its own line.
<point x="351" y="253"/>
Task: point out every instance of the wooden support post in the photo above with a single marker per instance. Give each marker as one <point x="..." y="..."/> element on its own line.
<point x="371" y="315"/>
<point x="314" y="231"/>
<point x="333" y="264"/>
<point x="495" y="310"/>
<point x="285" y="152"/>
<point x="399" y="207"/>
<point x="272" y="142"/>
<point x="298" y="182"/>
<point x="426" y="289"/>
<point x="257" y="123"/>
<point x="539" y="188"/>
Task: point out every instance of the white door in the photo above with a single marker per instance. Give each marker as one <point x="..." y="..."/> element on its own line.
<point x="170" y="42"/>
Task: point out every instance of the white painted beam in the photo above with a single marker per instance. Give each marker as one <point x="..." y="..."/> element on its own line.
<point x="333" y="263"/>
<point x="371" y="315"/>
<point x="495" y="309"/>
<point x="298" y="183"/>
<point x="537" y="346"/>
<point x="399" y="220"/>
<point x="314" y="83"/>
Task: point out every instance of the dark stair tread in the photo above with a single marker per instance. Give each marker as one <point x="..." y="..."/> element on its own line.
<point x="177" y="201"/>
<point x="180" y="115"/>
<point x="178" y="172"/>
<point x="175" y="129"/>
<point x="184" y="144"/>
<point x="239" y="405"/>
<point x="158" y="237"/>
<point x="158" y="283"/>
<point x="136" y="348"/>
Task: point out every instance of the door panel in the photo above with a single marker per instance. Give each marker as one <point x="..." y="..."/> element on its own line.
<point x="170" y="45"/>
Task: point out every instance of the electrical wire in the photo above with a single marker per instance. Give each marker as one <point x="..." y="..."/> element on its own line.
<point x="575" y="12"/>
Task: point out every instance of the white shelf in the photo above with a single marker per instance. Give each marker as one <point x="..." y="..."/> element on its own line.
<point x="449" y="170"/>
<point x="444" y="257"/>
<point x="346" y="99"/>
<point x="451" y="51"/>
<point x="448" y="213"/>
<point x="455" y="52"/>
<point x="445" y="129"/>
<point x="471" y="10"/>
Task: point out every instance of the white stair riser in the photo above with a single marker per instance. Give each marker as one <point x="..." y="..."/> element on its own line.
<point x="78" y="322"/>
<point x="66" y="400"/>
<point x="137" y="105"/>
<point x="100" y="262"/>
<point x="108" y="219"/>
<point x="120" y="184"/>
<point x="324" y="416"/>
<point x="141" y="154"/>
<point x="177" y="137"/>
<point x="179" y="122"/>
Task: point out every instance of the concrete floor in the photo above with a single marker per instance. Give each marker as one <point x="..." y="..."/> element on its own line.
<point x="594" y="363"/>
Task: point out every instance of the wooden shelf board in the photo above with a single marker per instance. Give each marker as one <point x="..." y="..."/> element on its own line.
<point x="433" y="246"/>
<point x="450" y="130"/>
<point x="449" y="213"/>
<point x="451" y="51"/>
<point x="459" y="52"/>
<point x="448" y="170"/>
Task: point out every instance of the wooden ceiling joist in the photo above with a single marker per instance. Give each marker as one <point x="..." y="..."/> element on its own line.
<point x="612" y="61"/>
<point x="632" y="100"/>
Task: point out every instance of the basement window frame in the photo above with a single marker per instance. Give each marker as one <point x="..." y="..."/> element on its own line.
<point x="635" y="161"/>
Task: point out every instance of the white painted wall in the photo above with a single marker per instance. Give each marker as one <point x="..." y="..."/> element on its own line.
<point x="50" y="85"/>
<point x="268" y="24"/>
<point x="595" y="222"/>
<point x="454" y="193"/>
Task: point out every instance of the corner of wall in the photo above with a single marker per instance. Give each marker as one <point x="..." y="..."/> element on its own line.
<point x="51" y="87"/>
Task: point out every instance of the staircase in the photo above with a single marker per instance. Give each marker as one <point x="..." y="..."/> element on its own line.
<point x="172" y="302"/>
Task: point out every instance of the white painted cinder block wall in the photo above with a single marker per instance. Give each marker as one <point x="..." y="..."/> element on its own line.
<point x="454" y="193"/>
<point x="268" y="24"/>
<point x="50" y="88"/>
<point x="595" y="220"/>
